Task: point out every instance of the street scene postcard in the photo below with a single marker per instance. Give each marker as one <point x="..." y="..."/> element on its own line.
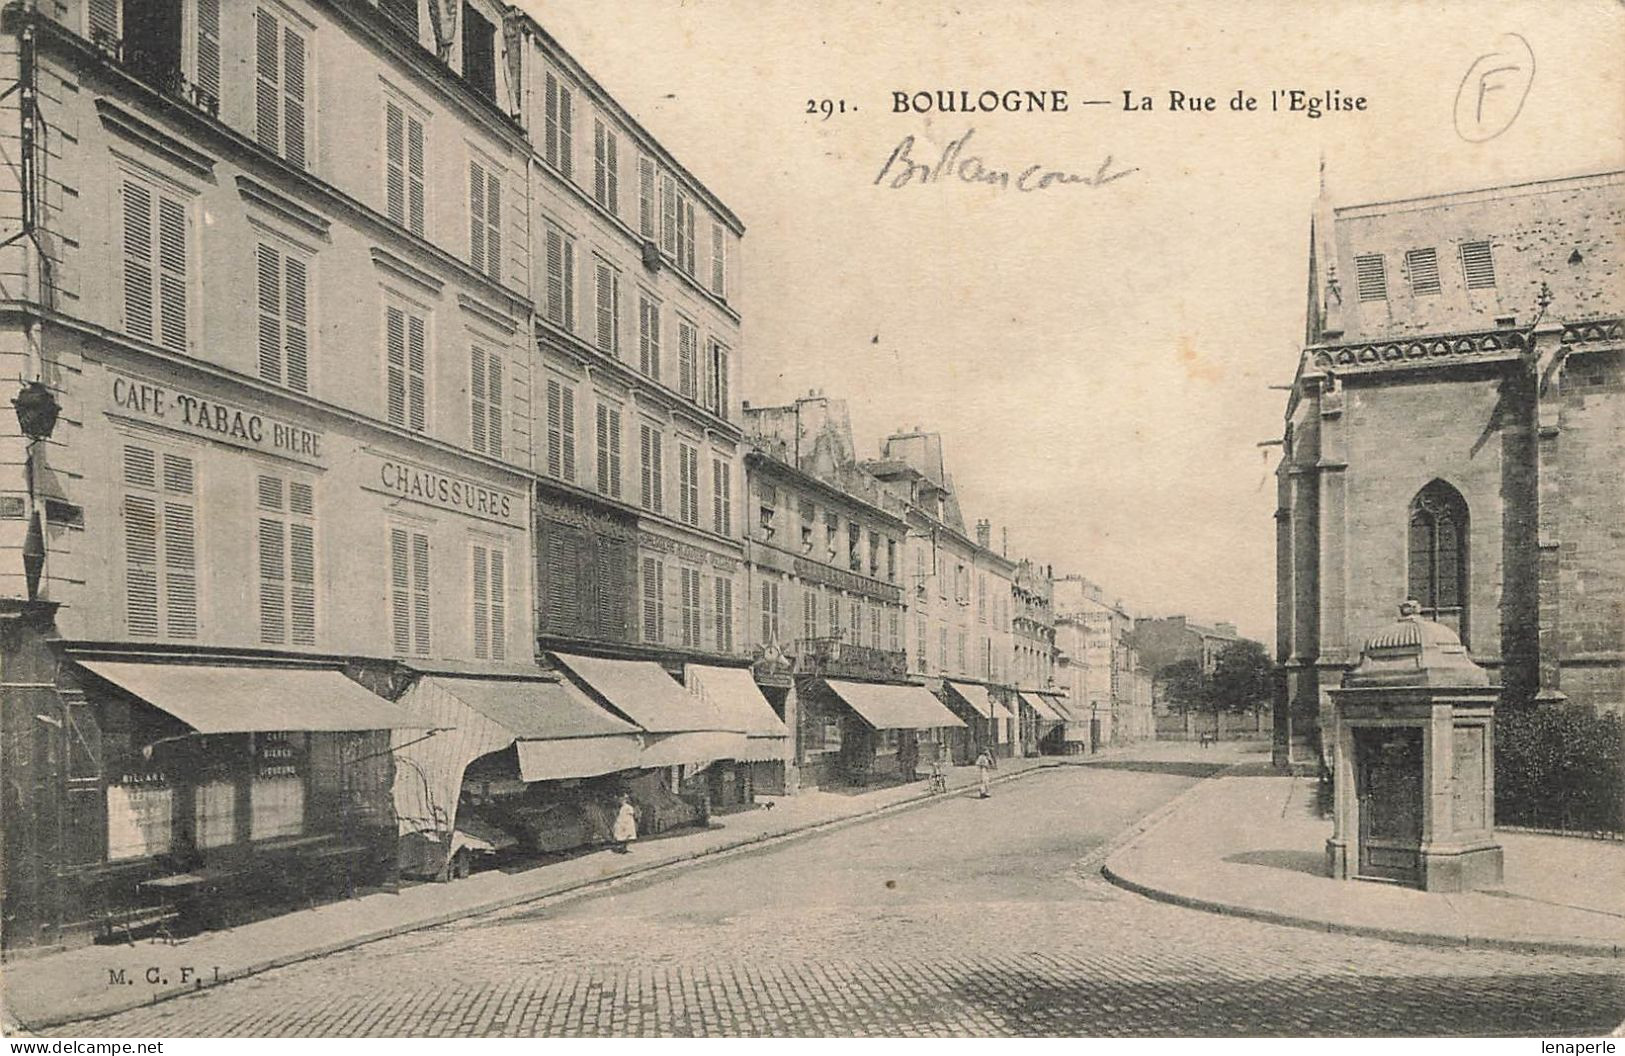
<point x="879" y="519"/>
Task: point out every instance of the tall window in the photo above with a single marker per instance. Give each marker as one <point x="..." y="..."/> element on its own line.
<point x="685" y="233"/>
<point x="156" y="248"/>
<point x="649" y="336"/>
<point x="654" y="600"/>
<point x="834" y="609"/>
<point x="1438" y="555"/>
<point x="688" y="484"/>
<point x="607" y="301"/>
<point x="721" y="497"/>
<point x="153" y="33"/>
<point x="809" y="612"/>
<point x="485" y="220"/>
<point x="606" y="180"/>
<point x="716" y="381"/>
<point x="403" y="179"/>
<point x="490" y="602"/>
<point x="981" y="597"/>
<point x="770" y="611"/>
<point x="561" y="430"/>
<point x="287" y="553"/>
<point x="160" y="544"/>
<point x="668" y="215"/>
<point x="725" y="614"/>
<point x="279" y="88"/>
<point x="284" y="318"/>
<point x="561" y="278"/>
<point x="557" y="125"/>
<point x="479" y="52"/>
<point x="921" y="647"/>
<point x="689" y="581"/>
<point x="409" y="592"/>
<point x="485" y="385"/>
<point x="651" y="447"/>
<point x="609" y="451"/>
<point x="406" y="370"/>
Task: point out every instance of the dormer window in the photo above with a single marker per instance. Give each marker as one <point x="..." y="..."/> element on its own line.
<point x="479" y="53"/>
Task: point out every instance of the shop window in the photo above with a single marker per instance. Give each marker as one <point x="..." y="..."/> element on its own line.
<point x="214" y="814"/>
<point x="276" y="807"/>
<point x="140" y="819"/>
<point x="832" y="735"/>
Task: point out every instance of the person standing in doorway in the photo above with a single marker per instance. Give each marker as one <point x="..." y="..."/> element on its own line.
<point x="984" y="770"/>
<point x="625" y="829"/>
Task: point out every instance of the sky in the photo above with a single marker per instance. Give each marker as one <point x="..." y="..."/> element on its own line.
<point x="1098" y="356"/>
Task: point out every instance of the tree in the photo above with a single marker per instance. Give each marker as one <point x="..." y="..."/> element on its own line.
<point x="1242" y="678"/>
<point x="1184" y="686"/>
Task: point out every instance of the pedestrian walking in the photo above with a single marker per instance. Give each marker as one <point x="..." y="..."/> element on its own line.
<point x="625" y="829"/>
<point x="984" y="770"/>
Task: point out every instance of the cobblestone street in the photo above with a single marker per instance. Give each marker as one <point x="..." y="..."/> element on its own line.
<point x="966" y="917"/>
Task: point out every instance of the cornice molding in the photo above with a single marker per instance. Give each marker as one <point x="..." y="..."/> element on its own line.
<point x="402" y="269"/>
<point x="128" y="126"/>
<point x="256" y="193"/>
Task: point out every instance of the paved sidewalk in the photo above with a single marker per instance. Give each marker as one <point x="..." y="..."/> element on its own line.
<point x="100" y="980"/>
<point x="1249" y="844"/>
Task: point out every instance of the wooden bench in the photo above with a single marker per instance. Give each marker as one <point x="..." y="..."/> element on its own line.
<point x="127" y="922"/>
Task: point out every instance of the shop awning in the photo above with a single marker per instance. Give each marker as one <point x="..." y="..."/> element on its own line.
<point x="643" y="692"/>
<point x="733" y="693"/>
<point x="214" y="698"/>
<point x="976" y="696"/>
<point x="1041" y="707"/>
<point x="558" y="731"/>
<point x="894" y="707"/>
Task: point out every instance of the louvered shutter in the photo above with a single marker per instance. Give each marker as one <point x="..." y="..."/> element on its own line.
<point x="273" y="587"/>
<point x="566" y="132"/>
<point x="685" y="358"/>
<point x="646" y="197"/>
<point x="477" y="393"/>
<point x="659" y="451"/>
<point x="293" y="98"/>
<point x="302" y="564"/>
<point x="499" y="605"/>
<point x="719" y="481"/>
<point x="476" y="215"/>
<point x="141" y="544"/>
<point x="208" y="48"/>
<point x="719" y="267"/>
<point x="416" y="368"/>
<point x="296" y="323"/>
<point x="494" y="423"/>
<point x="722" y="381"/>
<point x="650" y="631"/>
<point x="180" y="549"/>
<point x="569" y="433"/>
<point x="172" y="274"/>
<point x="600" y="165"/>
<point x="668" y="215"/>
<point x="270" y="301"/>
<point x="493" y="227"/>
<point x="685" y="235"/>
<point x="420" y="594"/>
<point x="267" y="81"/>
<point x="395" y="162"/>
<point x="104" y="18"/>
<point x="603" y="301"/>
<point x="555" y="276"/>
<point x="414" y="175"/>
<point x="555" y="429"/>
<point x="482" y="615"/>
<point x="615" y="454"/>
<point x="400" y="591"/>
<point x="550" y="120"/>
<point x="613" y="167"/>
<point x="138" y="272"/>
<point x="603" y="449"/>
<point x="395" y="341"/>
<point x="1371" y="277"/>
<point x="1477" y="265"/>
<point x="1423" y="266"/>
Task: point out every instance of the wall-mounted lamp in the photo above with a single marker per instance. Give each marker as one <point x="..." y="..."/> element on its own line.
<point x="37" y="411"/>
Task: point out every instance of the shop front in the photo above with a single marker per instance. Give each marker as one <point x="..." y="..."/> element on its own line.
<point x="1049" y="724"/>
<point x="734" y="694"/>
<point x="989" y="723"/>
<point x="863" y="733"/>
<point x="203" y="794"/>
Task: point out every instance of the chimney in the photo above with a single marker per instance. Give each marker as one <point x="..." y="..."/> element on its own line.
<point x="984" y="534"/>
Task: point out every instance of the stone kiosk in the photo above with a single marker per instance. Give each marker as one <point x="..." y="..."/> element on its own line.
<point x="1413" y="763"/>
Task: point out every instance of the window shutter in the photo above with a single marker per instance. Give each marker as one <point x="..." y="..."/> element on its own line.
<point x="493" y="227"/>
<point x="603" y="449"/>
<point x="414" y="175"/>
<point x="719" y="269"/>
<point x="555" y="276"/>
<point x="668" y="215"/>
<point x="613" y="178"/>
<point x="722" y="381"/>
<point x="555" y="429"/>
<point x="476" y="215"/>
<point x="104" y="17"/>
<point x="270" y="298"/>
<point x="293" y="102"/>
<point x="180" y="550"/>
<point x="296" y="323"/>
<point x="400" y="591"/>
<point x="1423" y="266"/>
<point x="302" y="566"/>
<point x="646" y="197"/>
<point x="651" y="627"/>
<point x="686" y="340"/>
<point x="659" y="452"/>
<point x="566" y="132"/>
<point x="420" y="594"/>
<point x="416" y="367"/>
<point x="569" y="433"/>
<point x="494" y="414"/>
<point x="600" y="164"/>
<point x="1478" y="265"/>
<point x="569" y="285"/>
<point x="643" y="464"/>
<point x="482" y="626"/>
<point x="685" y="235"/>
<point x="273" y="582"/>
<point x="171" y="274"/>
<point x="499" y="605"/>
<point x="267" y="82"/>
<point x="395" y="340"/>
<point x="208" y="47"/>
<point x="1371" y="277"/>
<point x="395" y="162"/>
<point x="138" y="273"/>
<point x="476" y="393"/>
<point x="603" y="298"/>
<point x="615" y="454"/>
<point x="140" y="548"/>
<point x="550" y="120"/>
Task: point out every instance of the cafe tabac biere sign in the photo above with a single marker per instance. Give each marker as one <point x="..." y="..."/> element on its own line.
<point x="210" y="419"/>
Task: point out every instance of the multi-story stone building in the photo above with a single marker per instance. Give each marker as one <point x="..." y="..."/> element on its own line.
<point x="1452" y="435"/>
<point x="1101" y="666"/>
<point x="1032" y="637"/>
<point x="414" y="374"/>
<point x="961" y="596"/>
<point x="825" y="554"/>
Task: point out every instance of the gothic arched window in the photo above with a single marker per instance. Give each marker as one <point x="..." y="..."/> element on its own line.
<point x="1438" y="555"/>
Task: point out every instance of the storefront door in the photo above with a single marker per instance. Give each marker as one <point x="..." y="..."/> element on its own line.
<point x="1388" y="782"/>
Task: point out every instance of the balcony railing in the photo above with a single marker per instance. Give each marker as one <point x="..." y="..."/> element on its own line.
<point x="836" y="656"/>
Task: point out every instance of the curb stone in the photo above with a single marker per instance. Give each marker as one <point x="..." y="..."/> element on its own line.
<point x="1101" y="857"/>
<point x="569" y="891"/>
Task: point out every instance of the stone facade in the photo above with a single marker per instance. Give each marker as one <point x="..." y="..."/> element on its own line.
<point x="1453" y="435"/>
